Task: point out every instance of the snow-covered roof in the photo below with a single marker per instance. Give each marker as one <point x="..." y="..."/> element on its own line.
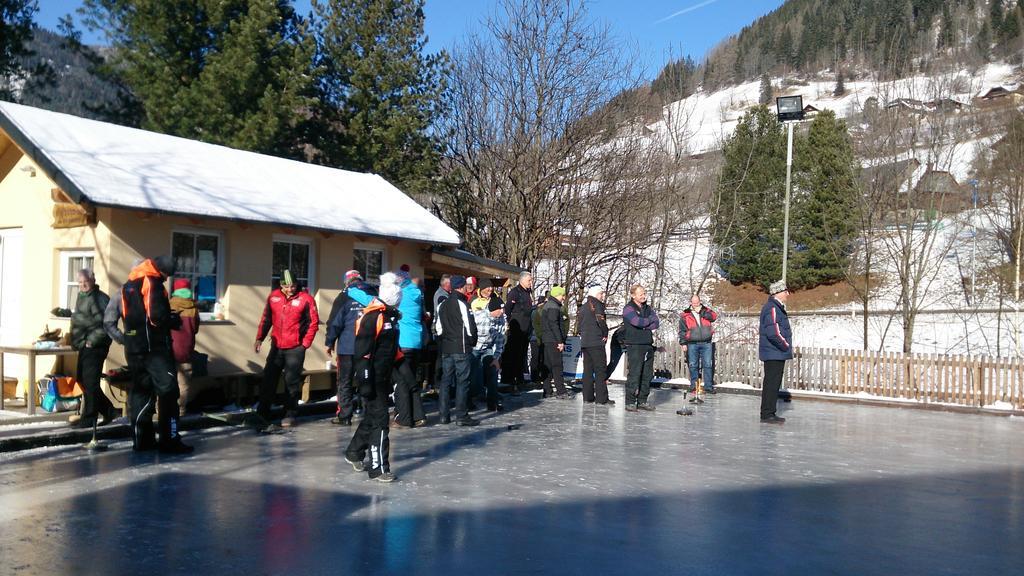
<point x="115" y="166"/>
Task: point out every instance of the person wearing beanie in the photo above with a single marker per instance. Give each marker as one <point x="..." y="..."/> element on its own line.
<point x="341" y="341"/>
<point x="553" y="335"/>
<point x="183" y="339"/>
<point x="490" y="325"/>
<point x="376" y="353"/>
<point x="92" y="343"/>
<point x="456" y="328"/>
<point x="593" y="326"/>
<point x="408" y="402"/>
<point x="472" y="285"/>
<point x="518" y="312"/>
<point x="148" y="320"/>
<point x="775" y="346"/>
<point x="291" y="319"/>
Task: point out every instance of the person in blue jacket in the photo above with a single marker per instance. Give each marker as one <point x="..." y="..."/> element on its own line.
<point x="775" y="346"/>
<point x="341" y="339"/>
<point x="408" y="403"/>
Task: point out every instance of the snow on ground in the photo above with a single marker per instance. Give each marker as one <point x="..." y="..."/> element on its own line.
<point x="703" y="120"/>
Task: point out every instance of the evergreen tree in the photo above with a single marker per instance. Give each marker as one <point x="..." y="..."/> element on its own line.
<point x="996" y="14"/>
<point x="947" y="33"/>
<point x="15" y="34"/>
<point x="824" y="197"/>
<point x="983" y="41"/>
<point x="840" y="84"/>
<point x="766" y="90"/>
<point x="381" y="91"/>
<point x="748" y="223"/>
<point x="232" y="72"/>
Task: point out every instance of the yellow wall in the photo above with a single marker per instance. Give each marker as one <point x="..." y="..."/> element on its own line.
<point x="121" y="236"/>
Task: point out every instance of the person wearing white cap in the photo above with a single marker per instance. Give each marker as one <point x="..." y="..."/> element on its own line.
<point x="775" y="346"/>
<point x="593" y="327"/>
<point x="377" y="352"/>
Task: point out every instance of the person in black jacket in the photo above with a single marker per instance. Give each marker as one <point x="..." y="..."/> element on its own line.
<point x="639" y="322"/>
<point x="148" y="321"/>
<point x="456" y="328"/>
<point x="593" y="326"/>
<point x="553" y="336"/>
<point x="376" y="353"/>
<point x="518" y="309"/>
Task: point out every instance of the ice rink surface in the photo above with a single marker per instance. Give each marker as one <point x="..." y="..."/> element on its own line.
<point x="547" y="487"/>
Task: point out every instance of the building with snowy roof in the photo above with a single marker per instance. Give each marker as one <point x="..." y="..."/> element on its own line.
<point x="79" y="193"/>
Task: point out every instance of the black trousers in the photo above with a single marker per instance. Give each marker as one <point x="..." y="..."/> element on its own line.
<point x="372" y="433"/>
<point x="538" y="366"/>
<point x="773" y="370"/>
<point x="639" y="373"/>
<point x="553" y="359"/>
<point x="154" y="382"/>
<point x="90" y="368"/>
<point x="458" y="372"/>
<point x="595" y="364"/>
<point x="290" y="362"/>
<point x="513" y="359"/>
<point x="347" y="397"/>
<point x="408" y="403"/>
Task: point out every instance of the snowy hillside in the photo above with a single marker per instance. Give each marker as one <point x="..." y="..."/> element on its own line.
<point x="704" y="120"/>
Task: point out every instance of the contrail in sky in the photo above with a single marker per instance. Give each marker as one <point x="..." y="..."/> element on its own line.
<point x="686" y="10"/>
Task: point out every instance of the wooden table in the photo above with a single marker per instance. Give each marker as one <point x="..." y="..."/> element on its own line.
<point x="31" y="352"/>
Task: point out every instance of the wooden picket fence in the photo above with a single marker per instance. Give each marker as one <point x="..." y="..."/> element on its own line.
<point x="961" y="380"/>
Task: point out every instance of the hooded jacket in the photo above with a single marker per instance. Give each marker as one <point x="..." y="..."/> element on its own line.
<point x="146" y="311"/>
<point x="183" y="338"/>
<point x="376" y="348"/>
<point x="490" y="329"/>
<point x="291" y="322"/>
<point x="691" y="331"/>
<point x="593" y="324"/>
<point x="87" y="320"/>
<point x="410" y="327"/>
<point x="347" y="309"/>
<point x="775" y="340"/>
<point x="456" y="326"/>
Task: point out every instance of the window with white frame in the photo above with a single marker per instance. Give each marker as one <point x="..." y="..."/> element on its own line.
<point x="369" y="260"/>
<point x="71" y="263"/>
<point x="293" y="253"/>
<point x="197" y="257"/>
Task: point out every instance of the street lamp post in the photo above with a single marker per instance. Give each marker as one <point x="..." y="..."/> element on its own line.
<point x="790" y="111"/>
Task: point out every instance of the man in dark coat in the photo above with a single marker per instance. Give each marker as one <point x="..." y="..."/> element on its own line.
<point x="341" y="341"/>
<point x="92" y="343"/>
<point x="148" y="321"/>
<point x="775" y="346"/>
<point x="593" y="326"/>
<point x="518" y="309"/>
<point x="639" y="322"/>
<point x="456" y="328"/>
<point x="553" y="335"/>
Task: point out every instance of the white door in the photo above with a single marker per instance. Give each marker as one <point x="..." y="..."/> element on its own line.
<point x="11" y="258"/>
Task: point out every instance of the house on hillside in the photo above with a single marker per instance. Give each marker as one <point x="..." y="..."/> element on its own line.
<point x="810" y="111"/>
<point x="945" y="105"/>
<point x="939" y="190"/>
<point x="908" y="105"/>
<point x="1000" y="97"/>
<point x="81" y="193"/>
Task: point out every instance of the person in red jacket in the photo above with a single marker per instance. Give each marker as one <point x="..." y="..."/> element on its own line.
<point x="291" y="319"/>
<point x="695" y="335"/>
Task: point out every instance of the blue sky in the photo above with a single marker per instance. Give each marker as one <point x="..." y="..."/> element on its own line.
<point x="657" y="28"/>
